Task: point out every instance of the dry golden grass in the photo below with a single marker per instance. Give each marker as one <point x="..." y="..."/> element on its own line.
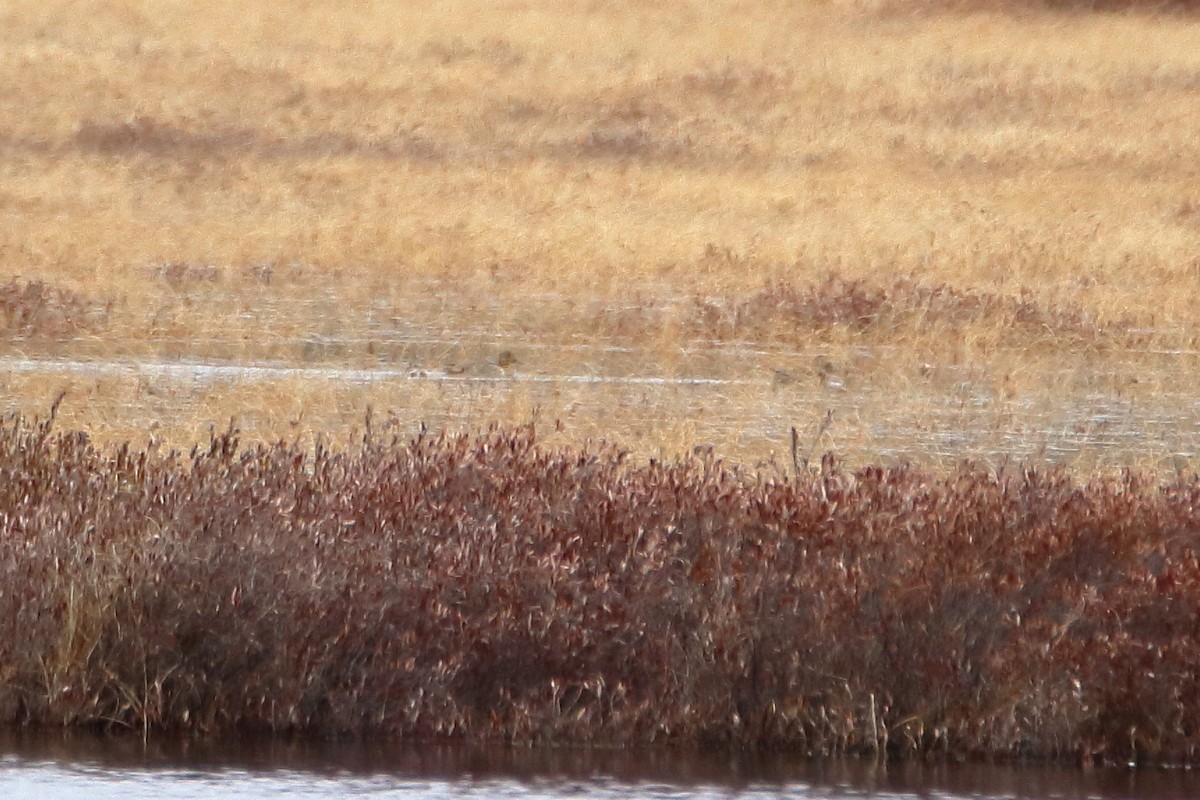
<point x="315" y="184"/>
<point x="950" y="228"/>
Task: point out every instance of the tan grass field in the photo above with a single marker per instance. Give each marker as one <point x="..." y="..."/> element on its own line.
<point x="1007" y="195"/>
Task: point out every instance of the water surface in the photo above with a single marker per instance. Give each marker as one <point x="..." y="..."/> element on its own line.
<point x="98" y="768"/>
<point x="1111" y="410"/>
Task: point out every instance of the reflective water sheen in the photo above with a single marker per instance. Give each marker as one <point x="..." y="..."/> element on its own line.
<point x="1103" y="411"/>
<point x="100" y="768"/>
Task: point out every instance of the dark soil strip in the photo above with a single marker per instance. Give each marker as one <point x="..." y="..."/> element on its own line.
<point x="486" y="588"/>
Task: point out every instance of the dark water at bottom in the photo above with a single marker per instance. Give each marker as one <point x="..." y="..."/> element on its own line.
<point x="81" y="766"/>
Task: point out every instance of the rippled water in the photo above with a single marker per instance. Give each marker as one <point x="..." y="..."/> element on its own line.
<point x="96" y="768"/>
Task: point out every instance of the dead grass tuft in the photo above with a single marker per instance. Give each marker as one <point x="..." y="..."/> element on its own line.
<point x="1019" y="6"/>
<point x="38" y="310"/>
<point x="144" y="135"/>
<point x="906" y="305"/>
<point x="785" y="312"/>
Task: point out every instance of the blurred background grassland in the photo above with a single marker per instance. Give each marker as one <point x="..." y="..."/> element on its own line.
<point x="839" y="204"/>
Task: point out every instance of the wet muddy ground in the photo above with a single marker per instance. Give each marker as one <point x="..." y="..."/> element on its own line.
<point x="280" y="362"/>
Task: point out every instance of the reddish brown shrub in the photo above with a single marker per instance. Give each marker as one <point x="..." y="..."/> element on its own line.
<point x="484" y="587"/>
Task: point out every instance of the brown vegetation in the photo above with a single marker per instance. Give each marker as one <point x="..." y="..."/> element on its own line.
<point x="423" y="187"/>
<point x="906" y="308"/>
<point x="486" y="587"/>
<point x="980" y="149"/>
<point x="38" y="310"/>
<point x="1067" y="6"/>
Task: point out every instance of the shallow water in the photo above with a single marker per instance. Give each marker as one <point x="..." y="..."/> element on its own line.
<point x="82" y="766"/>
<point x="202" y="372"/>
<point x="281" y="362"/>
<point x="1114" y="410"/>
